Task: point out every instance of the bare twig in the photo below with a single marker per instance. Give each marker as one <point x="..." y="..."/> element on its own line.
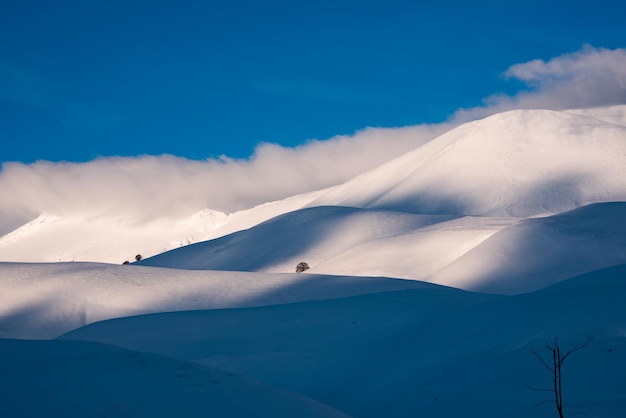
<point x="573" y="350"/>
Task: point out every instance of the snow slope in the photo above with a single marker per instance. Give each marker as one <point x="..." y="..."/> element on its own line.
<point x="73" y="379"/>
<point x="487" y="254"/>
<point x="311" y="235"/>
<point x="517" y="163"/>
<point x="46" y="300"/>
<point x="517" y="204"/>
<point x="429" y="352"/>
<point x="493" y="255"/>
<point x="535" y="253"/>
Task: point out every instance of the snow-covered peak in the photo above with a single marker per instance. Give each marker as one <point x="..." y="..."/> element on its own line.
<point x="517" y="163"/>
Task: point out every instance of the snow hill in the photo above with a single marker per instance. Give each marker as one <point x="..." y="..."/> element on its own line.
<point x="518" y="163"/>
<point x="515" y="164"/>
<point x="47" y="300"/>
<point x="431" y="351"/>
<point x="494" y="255"/>
<point x="430" y="279"/>
<point x="366" y="347"/>
<point x="74" y="379"/>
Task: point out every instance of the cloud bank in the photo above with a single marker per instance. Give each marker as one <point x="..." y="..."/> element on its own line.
<point x="146" y="187"/>
<point x="591" y="77"/>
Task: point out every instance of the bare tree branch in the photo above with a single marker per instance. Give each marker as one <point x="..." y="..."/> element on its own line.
<point x="573" y="350"/>
<point x="539" y="389"/>
<point x="541" y="403"/>
<point x="536" y="354"/>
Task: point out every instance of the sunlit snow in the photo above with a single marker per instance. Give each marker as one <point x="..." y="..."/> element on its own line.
<point x="430" y="278"/>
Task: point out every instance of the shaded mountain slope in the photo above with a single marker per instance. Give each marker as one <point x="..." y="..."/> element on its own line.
<point x="437" y="352"/>
<point x="46" y="300"/>
<point x="74" y="379"/>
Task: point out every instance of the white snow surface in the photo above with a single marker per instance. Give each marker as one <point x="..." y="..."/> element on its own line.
<point x="520" y="215"/>
<point x="519" y="163"/>
<point x="494" y="255"/>
<point x="74" y="379"/>
<point x="535" y="253"/>
<point x="39" y="300"/>
<point x="436" y="352"/>
<point x="312" y="235"/>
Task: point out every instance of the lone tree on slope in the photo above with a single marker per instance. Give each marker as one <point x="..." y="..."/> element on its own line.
<point x="301" y="267"/>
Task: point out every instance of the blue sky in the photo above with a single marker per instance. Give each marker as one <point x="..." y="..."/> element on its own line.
<point x="200" y="79"/>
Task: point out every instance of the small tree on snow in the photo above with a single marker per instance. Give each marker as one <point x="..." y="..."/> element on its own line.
<point x="301" y="267"/>
<point x="554" y="366"/>
<point x="138" y="257"/>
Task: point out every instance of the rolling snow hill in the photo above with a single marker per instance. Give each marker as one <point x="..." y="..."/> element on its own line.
<point x="431" y="351"/>
<point x="311" y="235"/>
<point x="515" y="164"/>
<point x="74" y="379"/>
<point x="493" y="255"/>
<point x="535" y="253"/>
<point x="46" y="300"/>
<point x="520" y="216"/>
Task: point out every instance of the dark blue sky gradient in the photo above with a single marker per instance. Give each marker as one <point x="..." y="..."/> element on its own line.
<point x="81" y="79"/>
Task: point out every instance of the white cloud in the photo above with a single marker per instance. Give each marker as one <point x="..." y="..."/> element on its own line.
<point x="155" y="186"/>
<point x="587" y="78"/>
<point x="146" y="187"/>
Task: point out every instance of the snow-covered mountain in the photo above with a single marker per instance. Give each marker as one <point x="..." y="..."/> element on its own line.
<point x="515" y="164"/>
<point x="518" y="163"/>
<point x="494" y="255"/>
<point x="511" y="230"/>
